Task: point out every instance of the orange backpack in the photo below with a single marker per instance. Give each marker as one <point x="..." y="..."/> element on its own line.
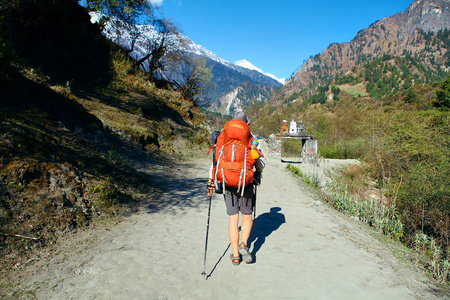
<point x="234" y="163"/>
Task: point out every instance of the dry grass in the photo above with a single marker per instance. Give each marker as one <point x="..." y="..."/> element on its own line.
<point x="355" y="90"/>
<point x="57" y="178"/>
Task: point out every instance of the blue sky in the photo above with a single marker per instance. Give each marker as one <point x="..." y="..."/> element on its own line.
<point x="275" y="36"/>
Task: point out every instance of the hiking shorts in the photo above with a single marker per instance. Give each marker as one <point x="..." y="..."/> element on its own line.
<point x="235" y="203"/>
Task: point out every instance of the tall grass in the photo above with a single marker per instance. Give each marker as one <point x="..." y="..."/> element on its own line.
<point x="377" y="215"/>
<point x="440" y="260"/>
<point x="313" y="182"/>
<point x="388" y="220"/>
<point x="383" y="215"/>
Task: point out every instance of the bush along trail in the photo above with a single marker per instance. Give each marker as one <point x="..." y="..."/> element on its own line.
<point x="302" y="249"/>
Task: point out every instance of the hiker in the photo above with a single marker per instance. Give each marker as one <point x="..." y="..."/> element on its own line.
<point x="238" y="188"/>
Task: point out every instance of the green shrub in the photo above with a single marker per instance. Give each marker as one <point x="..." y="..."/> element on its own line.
<point x="291" y="147"/>
<point x="295" y="170"/>
<point x="443" y="94"/>
<point x="344" y="149"/>
<point x="198" y="137"/>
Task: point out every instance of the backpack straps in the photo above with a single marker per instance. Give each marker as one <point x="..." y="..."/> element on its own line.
<point x="245" y="172"/>
<point x="217" y="169"/>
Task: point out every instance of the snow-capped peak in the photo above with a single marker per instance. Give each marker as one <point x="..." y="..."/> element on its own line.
<point x="248" y="65"/>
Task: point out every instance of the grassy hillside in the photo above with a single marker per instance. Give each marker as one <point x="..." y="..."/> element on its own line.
<point x="403" y="140"/>
<point x="76" y="121"/>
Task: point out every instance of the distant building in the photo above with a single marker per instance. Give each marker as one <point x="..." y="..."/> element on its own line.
<point x="291" y="150"/>
<point x="294" y="130"/>
<point x="301" y="128"/>
<point x="293" y="127"/>
<point x="284" y="127"/>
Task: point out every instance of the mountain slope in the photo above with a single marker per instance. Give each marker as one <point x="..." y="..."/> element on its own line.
<point x="399" y="35"/>
<point x="255" y="74"/>
<point x="73" y="139"/>
<point x="227" y="81"/>
<point x="226" y="76"/>
<point x="383" y="99"/>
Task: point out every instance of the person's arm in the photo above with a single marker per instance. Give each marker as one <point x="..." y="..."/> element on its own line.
<point x="211" y="171"/>
<point x="210" y="185"/>
<point x="260" y="164"/>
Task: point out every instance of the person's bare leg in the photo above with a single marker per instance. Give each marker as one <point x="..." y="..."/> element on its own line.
<point x="233" y="232"/>
<point x="246" y="227"/>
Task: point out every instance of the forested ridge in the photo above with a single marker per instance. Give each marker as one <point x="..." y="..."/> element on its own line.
<point x="382" y="98"/>
<point x="391" y="113"/>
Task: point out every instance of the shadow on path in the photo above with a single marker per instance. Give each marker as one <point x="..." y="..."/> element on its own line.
<point x="215" y="266"/>
<point x="291" y="161"/>
<point x="180" y="194"/>
<point x="264" y="225"/>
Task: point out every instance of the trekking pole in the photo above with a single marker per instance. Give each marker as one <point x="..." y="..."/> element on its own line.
<point x="210" y="193"/>
<point x="254" y="208"/>
<point x="256" y="182"/>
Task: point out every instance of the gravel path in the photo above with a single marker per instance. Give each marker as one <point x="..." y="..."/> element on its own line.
<point x="302" y="249"/>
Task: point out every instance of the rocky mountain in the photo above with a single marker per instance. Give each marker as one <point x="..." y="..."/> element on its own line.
<point x="242" y="66"/>
<point x="227" y="78"/>
<point x="235" y="87"/>
<point x="241" y="96"/>
<point x="419" y="33"/>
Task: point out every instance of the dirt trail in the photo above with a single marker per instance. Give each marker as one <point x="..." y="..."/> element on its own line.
<point x="302" y="250"/>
